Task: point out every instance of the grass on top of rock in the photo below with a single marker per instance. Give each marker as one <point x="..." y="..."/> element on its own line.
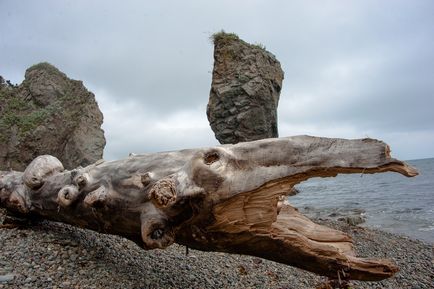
<point x="223" y="36"/>
<point x="259" y="46"/>
<point x="45" y="66"/>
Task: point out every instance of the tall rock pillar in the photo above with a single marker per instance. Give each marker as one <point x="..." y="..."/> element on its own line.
<point x="245" y="89"/>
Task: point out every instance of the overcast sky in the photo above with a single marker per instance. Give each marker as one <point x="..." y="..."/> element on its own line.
<point x="352" y="68"/>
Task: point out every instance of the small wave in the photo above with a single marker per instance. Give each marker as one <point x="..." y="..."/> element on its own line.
<point x="406" y="210"/>
<point x="427" y="229"/>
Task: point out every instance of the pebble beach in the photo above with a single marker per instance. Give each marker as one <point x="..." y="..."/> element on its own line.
<point x="55" y="255"/>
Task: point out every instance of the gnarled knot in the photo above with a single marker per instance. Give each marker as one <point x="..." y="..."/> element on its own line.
<point x="163" y="192"/>
<point x="17" y="201"/>
<point x="146" y="179"/>
<point x="39" y="169"/>
<point x="81" y="180"/>
<point x="211" y="157"/>
<point x="67" y="195"/>
<point x="157" y="234"/>
<point x="97" y="198"/>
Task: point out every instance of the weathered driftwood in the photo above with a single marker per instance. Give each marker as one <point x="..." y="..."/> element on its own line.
<point x="228" y="198"/>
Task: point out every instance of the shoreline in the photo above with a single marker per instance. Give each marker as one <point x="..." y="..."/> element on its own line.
<point x="356" y="217"/>
<point x="55" y="255"/>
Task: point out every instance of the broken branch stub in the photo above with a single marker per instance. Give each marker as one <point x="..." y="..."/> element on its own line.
<point x="227" y="198"/>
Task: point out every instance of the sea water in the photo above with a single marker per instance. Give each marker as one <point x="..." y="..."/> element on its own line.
<point x="391" y="202"/>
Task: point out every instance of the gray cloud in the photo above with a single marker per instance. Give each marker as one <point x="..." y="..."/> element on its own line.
<point x="351" y="68"/>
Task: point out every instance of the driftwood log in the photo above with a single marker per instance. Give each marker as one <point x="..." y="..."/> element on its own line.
<point x="228" y="198"/>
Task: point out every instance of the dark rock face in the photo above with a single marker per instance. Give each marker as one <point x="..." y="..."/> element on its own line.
<point x="245" y="91"/>
<point x="48" y="113"/>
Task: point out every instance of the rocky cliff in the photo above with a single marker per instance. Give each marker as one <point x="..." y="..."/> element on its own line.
<point x="245" y="89"/>
<point x="48" y="113"/>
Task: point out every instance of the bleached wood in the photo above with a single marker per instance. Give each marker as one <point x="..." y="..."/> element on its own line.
<point x="228" y="198"/>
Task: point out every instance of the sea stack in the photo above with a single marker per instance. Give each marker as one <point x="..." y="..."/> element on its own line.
<point x="48" y="113"/>
<point x="245" y="89"/>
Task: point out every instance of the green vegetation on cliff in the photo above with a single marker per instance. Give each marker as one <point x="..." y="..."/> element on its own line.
<point x="48" y="113"/>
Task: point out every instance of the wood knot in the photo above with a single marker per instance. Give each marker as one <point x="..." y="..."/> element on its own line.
<point x="67" y="195"/>
<point x="156" y="234"/>
<point x="81" y="180"/>
<point x="97" y="198"/>
<point x="39" y="169"/>
<point x="146" y="179"/>
<point x="163" y="192"/>
<point x="211" y="157"/>
<point x="17" y="201"/>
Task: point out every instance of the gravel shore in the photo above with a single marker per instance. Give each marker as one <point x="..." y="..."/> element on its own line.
<point x="54" y="255"/>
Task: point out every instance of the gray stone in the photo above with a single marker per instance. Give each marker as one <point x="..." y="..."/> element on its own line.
<point x="353" y="220"/>
<point x="245" y="91"/>
<point x="48" y="113"/>
<point x="6" y="278"/>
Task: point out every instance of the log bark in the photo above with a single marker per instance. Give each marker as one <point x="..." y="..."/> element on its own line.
<point x="229" y="198"/>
